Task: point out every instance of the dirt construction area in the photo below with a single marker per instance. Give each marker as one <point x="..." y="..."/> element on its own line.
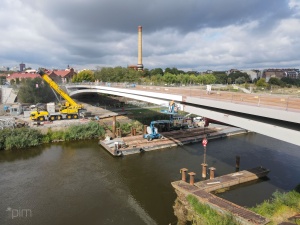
<point x="97" y="113"/>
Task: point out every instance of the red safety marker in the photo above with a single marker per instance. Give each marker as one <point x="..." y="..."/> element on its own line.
<point x="204" y="142"/>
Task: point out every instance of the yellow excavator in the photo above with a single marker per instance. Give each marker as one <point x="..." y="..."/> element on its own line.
<point x="68" y="110"/>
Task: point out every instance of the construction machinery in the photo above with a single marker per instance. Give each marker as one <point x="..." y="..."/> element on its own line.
<point x="68" y="110"/>
<point x="152" y="130"/>
<point x="172" y="108"/>
<point x="176" y="122"/>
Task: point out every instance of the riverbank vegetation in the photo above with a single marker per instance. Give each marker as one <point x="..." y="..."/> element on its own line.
<point x="206" y="215"/>
<point x="19" y="138"/>
<point x="28" y="137"/>
<point x="281" y="207"/>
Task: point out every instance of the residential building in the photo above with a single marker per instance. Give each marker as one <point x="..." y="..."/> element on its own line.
<point x="280" y="73"/>
<point x="20" y="76"/>
<point x="59" y="76"/>
<point x="253" y="74"/>
<point x="22" y="67"/>
<point x="232" y="71"/>
<point x="62" y="76"/>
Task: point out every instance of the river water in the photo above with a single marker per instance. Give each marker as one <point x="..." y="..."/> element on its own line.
<point x="79" y="183"/>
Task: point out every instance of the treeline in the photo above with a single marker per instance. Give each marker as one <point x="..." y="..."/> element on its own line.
<point x="173" y="76"/>
<point x="36" y="90"/>
<point x="169" y="76"/>
<point x="28" y="137"/>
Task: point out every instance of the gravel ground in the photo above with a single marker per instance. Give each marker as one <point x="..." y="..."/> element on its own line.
<point x="62" y="124"/>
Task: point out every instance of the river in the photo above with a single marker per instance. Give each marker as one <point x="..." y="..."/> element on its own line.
<point x="79" y="183"/>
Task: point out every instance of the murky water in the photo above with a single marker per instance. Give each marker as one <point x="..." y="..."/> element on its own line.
<point x="79" y="183"/>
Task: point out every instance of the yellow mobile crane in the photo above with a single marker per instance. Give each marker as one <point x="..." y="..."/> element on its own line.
<point x="69" y="110"/>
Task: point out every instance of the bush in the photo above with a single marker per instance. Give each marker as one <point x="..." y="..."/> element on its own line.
<point x="19" y="138"/>
<point x="27" y="137"/>
<point x="53" y="136"/>
<point x="138" y="125"/>
<point x="126" y="127"/>
<point x="86" y="131"/>
<point x="207" y="215"/>
<point x="280" y="204"/>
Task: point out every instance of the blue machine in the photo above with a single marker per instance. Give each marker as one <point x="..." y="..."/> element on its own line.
<point x="152" y="131"/>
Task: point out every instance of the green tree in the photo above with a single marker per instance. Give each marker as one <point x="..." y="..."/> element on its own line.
<point x="169" y="78"/>
<point x="276" y="81"/>
<point x="156" y="71"/>
<point x="85" y="75"/>
<point x="240" y="80"/>
<point x="237" y="74"/>
<point x="208" y="79"/>
<point x="120" y="74"/>
<point x="291" y="81"/>
<point x="2" y="80"/>
<point x="221" y="78"/>
<point x="185" y="78"/>
<point x="193" y="79"/>
<point x="156" y="79"/>
<point x="261" y="83"/>
<point x="229" y="80"/>
<point x="131" y="75"/>
<point x="173" y="71"/>
<point x="34" y="91"/>
<point x="146" y="73"/>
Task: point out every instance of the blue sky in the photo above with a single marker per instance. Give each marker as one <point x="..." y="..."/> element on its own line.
<point x="189" y="35"/>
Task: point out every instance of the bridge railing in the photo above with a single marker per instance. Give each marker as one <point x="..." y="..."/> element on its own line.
<point x="283" y="102"/>
<point x="288" y="103"/>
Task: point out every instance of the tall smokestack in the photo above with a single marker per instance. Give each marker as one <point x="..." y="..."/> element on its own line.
<point x="140" y="61"/>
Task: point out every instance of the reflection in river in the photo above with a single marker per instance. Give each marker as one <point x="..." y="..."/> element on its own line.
<point x="80" y="183"/>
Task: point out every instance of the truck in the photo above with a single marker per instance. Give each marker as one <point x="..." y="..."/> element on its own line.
<point x="68" y="110"/>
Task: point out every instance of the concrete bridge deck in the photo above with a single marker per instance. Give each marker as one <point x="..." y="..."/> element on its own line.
<point x="271" y="115"/>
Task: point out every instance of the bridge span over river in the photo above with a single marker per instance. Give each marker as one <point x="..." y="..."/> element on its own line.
<point x="271" y="115"/>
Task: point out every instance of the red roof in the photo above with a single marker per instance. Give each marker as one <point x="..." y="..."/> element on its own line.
<point x="61" y="73"/>
<point x="22" y="75"/>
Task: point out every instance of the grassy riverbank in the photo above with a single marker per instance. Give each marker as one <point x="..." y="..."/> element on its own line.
<point x="28" y="137"/>
<point x="281" y="207"/>
<point x="206" y="215"/>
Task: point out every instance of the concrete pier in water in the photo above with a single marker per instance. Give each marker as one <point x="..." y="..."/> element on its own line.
<point x="202" y="191"/>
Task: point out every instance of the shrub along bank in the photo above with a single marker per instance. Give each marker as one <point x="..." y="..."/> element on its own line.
<point x="28" y="137"/>
<point x="204" y="214"/>
<point x="281" y="207"/>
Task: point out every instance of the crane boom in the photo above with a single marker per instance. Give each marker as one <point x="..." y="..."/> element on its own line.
<point x="68" y="110"/>
<point x="57" y="88"/>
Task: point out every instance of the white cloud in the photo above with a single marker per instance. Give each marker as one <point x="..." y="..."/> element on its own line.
<point x="187" y="35"/>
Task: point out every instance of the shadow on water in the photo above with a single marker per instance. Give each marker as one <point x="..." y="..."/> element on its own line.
<point x="20" y="154"/>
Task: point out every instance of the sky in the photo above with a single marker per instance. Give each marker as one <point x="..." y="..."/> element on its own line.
<point x="189" y="35"/>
